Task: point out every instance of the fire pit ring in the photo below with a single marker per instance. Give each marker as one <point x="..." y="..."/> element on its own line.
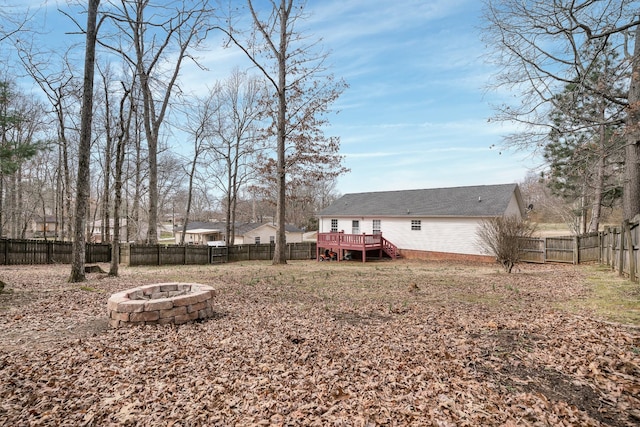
<point x="161" y="303"/>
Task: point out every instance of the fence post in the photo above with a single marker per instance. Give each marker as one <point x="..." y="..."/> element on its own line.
<point x="632" y="259"/>
<point x="125" y="253"/>
<point x="614" y="248"/>
<point x="49" y="252"/>
<point x="621" y="254"/>
<point x="576" y="250"/>
<point x="601" y="246"/>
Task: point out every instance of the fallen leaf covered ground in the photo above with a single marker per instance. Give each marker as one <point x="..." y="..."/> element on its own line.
<point x="308" y="343"/>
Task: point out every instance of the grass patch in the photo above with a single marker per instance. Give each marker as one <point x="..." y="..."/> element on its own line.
<point x="612" y="297"/>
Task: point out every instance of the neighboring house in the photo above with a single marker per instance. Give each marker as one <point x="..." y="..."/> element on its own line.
<point x="200" y="233"/>
<point x="96" y="230"/>
<point x="422" y="223"/>
<point x="310" y="236"/>
<point x="44" y="226"/>
<point x="258" y="233"/>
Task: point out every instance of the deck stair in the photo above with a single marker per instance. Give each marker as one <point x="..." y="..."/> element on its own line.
<point x="390" y="249"/>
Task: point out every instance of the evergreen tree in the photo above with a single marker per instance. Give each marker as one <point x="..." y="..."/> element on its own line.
<point x="13" y="149"/>
<point x="585" y="146"/>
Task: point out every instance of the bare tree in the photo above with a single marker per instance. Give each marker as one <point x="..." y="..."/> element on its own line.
<point x="106" y="155"/>
<point x="137" y="171"/>
<point x="301" y="94"/>
<point x="124" y="124"/>
<point x="235" y="143"/>
<point x="541" y="46"/>
<point x="307" y="198"/>
<point x="13" y="23"/>
<point x="504" y="237"/>
<point x="198" y="123"/>
<point x="82" y="187"/>
<point x="156" y="41"/>
<point x="61" y="88"/>
<point x="171" y="178"/>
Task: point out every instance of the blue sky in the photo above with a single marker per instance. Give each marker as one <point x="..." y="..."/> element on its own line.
<point x="415" y="115"/>
<point x="416" y="112"/>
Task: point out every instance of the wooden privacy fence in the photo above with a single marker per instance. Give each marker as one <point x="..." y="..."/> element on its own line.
<point x="619" y="248"/>
<point x="569" y="249"/>
<point x="133" y="254"/>
<point x="14" y="251"/>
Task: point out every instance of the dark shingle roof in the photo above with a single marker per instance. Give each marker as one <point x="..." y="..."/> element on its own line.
<point x="474" y="201"/>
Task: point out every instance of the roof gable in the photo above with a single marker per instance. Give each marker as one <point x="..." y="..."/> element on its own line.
<point x="473" y="201"/>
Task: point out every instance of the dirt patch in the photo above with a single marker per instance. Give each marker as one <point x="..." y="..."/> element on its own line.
<point x="516" y="377"/>
<point x="404" y="343"/>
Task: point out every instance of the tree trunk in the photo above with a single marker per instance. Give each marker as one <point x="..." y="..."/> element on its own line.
<point x="20" y="211"/>
<point x="279" y="255"/>
<point x="631" y="186"/>
<point x="229" y="226"/>
<point x="117" y="202"/>
<point x="84" y="150"/>
<point x="152" y="235"/>
<point x="194" y="163"/>
<point x="596" y="209"/>
<point x="133" y="221"/>
<point x="12" y="206"/>
<point x="2" y="204"/>
<point x="105" y="229"/>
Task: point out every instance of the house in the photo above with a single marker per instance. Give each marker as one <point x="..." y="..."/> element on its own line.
<point x="96" y="230"/>
<point x="202" y="233"/>
<point x="256" y="233"/>
<point x="439" y="222"/>
<point x="44" y="226"/>
<point x="310" y="236"/>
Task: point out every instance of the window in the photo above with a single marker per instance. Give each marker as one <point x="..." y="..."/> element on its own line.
<point x="272" y="239"/>
<point x="376" y="226"/>
<point x="257" y="240"/>
<point x="355" y="227"/>
<point x="416" y="224"/>
<point x="334" y="225"/>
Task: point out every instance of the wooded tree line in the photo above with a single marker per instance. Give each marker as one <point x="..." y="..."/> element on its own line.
<point x="248" y="147"/>
<point x="572" y="69"/>
<point x="253" y="145"/>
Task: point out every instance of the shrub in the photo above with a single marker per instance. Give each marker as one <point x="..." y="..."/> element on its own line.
<point x="503" y="238"/>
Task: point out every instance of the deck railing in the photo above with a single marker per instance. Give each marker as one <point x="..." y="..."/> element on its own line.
<point x="359" y="242"/>
<point x="353" y="241"/>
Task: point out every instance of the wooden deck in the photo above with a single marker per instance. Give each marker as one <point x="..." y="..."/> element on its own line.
<point x="341" y="242"/>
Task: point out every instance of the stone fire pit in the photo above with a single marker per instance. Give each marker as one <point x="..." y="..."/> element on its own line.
<point x="161" y="303"/>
